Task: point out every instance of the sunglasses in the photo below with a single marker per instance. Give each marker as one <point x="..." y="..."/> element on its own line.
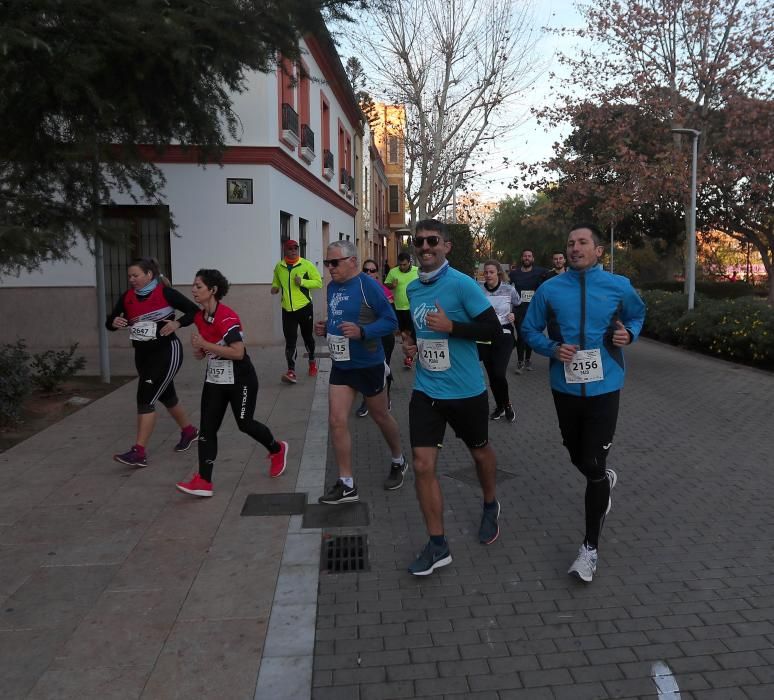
<point x="369" y="269"/>
<point x="334" y="262"/>
<point x="432" y="241"/>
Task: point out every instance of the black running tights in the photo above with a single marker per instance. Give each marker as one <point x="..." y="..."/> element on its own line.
<point x="588" y="425"/>
<point x="496" y="357"/>
<point x="241" y="396"/>
<point x="291" y="322"/>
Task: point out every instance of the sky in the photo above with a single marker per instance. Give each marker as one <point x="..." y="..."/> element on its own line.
<point x="528" y="142"/>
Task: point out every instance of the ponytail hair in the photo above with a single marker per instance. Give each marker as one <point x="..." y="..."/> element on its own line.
<point x="151" y="265"/>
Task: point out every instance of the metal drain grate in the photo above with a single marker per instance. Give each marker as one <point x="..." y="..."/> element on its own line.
<point x="344" y="553"/>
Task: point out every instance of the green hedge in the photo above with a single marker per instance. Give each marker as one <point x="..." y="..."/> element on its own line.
<point x="740" y="330"/>
<point x="715" y="290"/>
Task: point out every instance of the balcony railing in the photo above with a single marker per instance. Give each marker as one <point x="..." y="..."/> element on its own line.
<point x="307" y="137"/>
<point x="290" y="125"/>
<point x="327" y="164"/>
<point x="307" y="143"/>
<point x="344" y="180"/>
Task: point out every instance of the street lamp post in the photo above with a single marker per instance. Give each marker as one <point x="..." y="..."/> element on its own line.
<point x="690" y="273"/>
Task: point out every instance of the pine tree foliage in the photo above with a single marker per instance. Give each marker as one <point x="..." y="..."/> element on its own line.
<point x="84" y="83"/>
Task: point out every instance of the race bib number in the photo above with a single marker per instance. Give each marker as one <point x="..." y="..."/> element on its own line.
<point x="143" y="330"/>
<point x="338" y="346"/>
<point x="585" y="366"/>
<point x="434" y="355"/>
<point x="220" y="371"/>
<point x="526" y="296"/>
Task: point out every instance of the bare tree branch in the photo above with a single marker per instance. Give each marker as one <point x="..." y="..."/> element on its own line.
<point x="459" y="67"/>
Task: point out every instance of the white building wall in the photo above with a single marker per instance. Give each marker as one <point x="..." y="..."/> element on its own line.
<point x="242" y="240"/>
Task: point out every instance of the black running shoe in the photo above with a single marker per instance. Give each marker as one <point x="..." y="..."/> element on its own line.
<point x="497" y="414"/>
<point x="394" y="479"/>
<point x="489" y="530"/>
<point x="339" y="493"/>
<point x="432" y="557"/>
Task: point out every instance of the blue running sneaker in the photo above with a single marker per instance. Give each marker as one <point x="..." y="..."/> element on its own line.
<point x="433" y="557"/>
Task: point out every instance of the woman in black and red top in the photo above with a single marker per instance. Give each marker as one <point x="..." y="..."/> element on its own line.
<point x="147" y="310"/>
<point x="230" y="381"/>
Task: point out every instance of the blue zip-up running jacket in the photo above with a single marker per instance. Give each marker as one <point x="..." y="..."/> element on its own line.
<point x="581" y="308"/>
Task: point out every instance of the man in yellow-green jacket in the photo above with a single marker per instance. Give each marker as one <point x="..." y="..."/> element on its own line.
<point x="295" y="277"/>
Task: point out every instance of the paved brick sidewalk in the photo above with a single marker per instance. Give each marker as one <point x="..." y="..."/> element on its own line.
<point x="686" y="572"/>
<point x="115" y="585"/>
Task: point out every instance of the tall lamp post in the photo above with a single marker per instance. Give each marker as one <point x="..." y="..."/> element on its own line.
<point x="690" y="275"/>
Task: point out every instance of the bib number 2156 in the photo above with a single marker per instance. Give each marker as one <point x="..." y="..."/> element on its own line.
<point x="585" y="366"/>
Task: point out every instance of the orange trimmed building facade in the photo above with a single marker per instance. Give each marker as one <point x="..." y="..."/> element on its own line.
<point x="291" y="174"/>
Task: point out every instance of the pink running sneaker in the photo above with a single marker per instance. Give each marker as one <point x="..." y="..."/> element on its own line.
<point x="187" y="436"/>
<point x="278" y="461"/>
<point x="196" y="486"/>
<point x="289" y="377"/>
<point x="134" y="457"/>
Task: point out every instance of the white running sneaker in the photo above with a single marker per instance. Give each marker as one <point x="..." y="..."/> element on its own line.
<point x="585" y="566"/>
<point x="612" y="477"/>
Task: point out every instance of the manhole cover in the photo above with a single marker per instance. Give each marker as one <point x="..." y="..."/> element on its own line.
<point x="344" y="553"/>
<point x="328" y="516"/>
<point x="468" y="476"/>
<point x="274" y="504"/>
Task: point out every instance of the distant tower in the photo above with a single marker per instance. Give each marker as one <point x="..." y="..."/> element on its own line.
<point x="388" y="130"/>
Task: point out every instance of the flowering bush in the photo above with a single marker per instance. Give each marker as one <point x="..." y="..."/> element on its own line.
<point x="664" y="310"/>
<point x="741" y="330"/>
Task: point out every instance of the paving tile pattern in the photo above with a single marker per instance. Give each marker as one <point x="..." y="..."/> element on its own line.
<point x="115" y="585"/>
<point x="686" y="572"/>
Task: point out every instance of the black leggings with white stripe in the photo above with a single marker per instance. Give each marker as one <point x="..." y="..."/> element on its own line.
<point x="157" y="366"/>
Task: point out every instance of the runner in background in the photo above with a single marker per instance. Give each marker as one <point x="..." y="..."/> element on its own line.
<point x="398" y="279"/>
<point x="497" y="354"/>
<point x="295" y="277"/>
<point x="388" y="341"/>
<point x="526" y="279"/>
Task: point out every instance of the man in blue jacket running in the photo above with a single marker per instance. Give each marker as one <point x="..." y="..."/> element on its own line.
<point x="590" y="314"/>
<point x="358" y="316"/>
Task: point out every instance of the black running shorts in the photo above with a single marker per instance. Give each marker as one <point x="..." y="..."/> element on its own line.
<point x="369" y="381"/>
<point x="428" y="417"/>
